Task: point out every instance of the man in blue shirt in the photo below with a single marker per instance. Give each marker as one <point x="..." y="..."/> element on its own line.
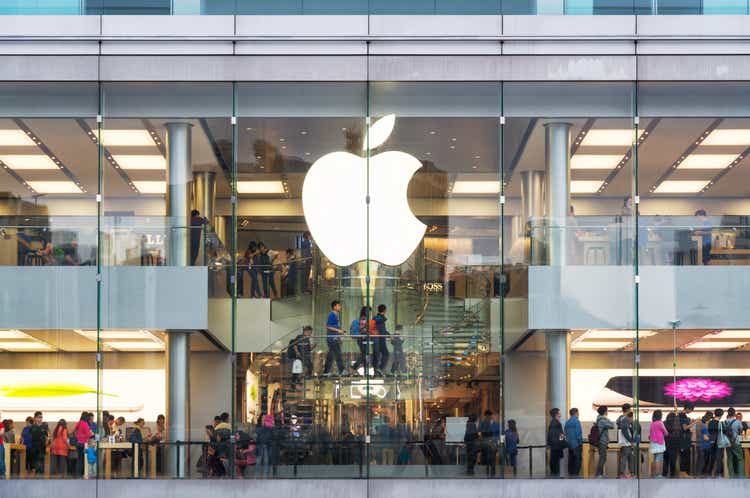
<point x="333" y="340"/>
<point x="574" y="436"/>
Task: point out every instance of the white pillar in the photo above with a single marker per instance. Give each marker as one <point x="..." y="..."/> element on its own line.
<point x="557" y="159"/>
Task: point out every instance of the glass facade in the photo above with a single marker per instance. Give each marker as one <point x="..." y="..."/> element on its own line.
<point x="374" y="279"/>
<point x="372" y="7"/>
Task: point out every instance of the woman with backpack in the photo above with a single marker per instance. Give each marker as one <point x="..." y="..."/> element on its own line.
<point x="511" y="445"/>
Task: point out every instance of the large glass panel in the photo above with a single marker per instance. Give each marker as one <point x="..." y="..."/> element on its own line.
<point x="301" y="277"/>
<point x="693" y="189"/>
<point x="568" y="278"/>
<point x="48" y="258"/>
<point x="166" y="317"/>
<point x="434" y="265"/>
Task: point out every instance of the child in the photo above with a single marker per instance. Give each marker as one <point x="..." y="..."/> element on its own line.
<point x="91" y="456"/>
<point x="399" y="360"/>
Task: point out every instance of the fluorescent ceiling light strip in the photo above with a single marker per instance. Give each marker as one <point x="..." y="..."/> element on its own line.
<point x="134" y="345"/>
<point x="727" y="137"/>
<point x="126" y="138"/>
<point x="707" y="161"/>
<point x="141" y="162"/>
<point x="604" y="345"/>
<point x="617" y="334"/>
<point x="475" y="187"/>
<point x="13" y="334"/>
<point x="585" y="186"/>
<point x="55" y="187"/>
<point x="260" y="187"/>
<point x="29" y="161"/>
<point x="730" y="334"/>
<point x="681" y="186"/>
<point x="594" y="161"/>
<point x="15" y="138"/>
<point x="151" y="187"/>
<point x="24" y="346"/>
<point x="610" y="138"/>
<point x="715" y="345"/>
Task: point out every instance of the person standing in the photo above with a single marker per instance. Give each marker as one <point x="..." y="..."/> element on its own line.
<point x="686" y="437"/>
<point x="38" y="435"/>
<point x="626" y="441"/>
<point x="735" y="458"/>
<point x="704" y="445"/>
<point x="59" y="449"/>
<point x="674" y="435"/>
<point x="511" y="446"/>
<point x="196" y="229"/>
<point x="380" y="341"/>
<point x="399" y="358"/>
<point x="603" y="424"/>
<point x="358" y="330"/>
<point x="289" y="274"/>
<point x="470" y="439"/>
<point x="574" y="437"/>
<point x="657" y="445"/>
<point x="82" y="432"/>
<point x="555" y="441"/>
<point x="306" y="254"/>
<point x="488" y="447"/>
<point x="333" y="340"/>
<point x="716" y="464"/>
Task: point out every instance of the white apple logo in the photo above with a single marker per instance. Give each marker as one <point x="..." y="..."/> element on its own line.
<point x="334" y="202"/>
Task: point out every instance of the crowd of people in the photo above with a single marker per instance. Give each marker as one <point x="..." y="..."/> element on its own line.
<point x="72" y="447"/>
<point x="678" y="444"/>
<point x="262" y="264"/>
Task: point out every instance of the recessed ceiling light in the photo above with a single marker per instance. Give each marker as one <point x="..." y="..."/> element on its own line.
<point x="604" y="345"/>
<point x="29" y="161"/>
<point x="307" y="153"/>
<point x="707" y="161"/>
<point x="585" y="186"/>
<point x="621" y="137"/>
<point x="14" y="138"/>
<point x="715" y="345"/>
<point x="433" y="132"/>
<point x="475" y="187"/>
<point x="55" y="187"/>
<point x="260" y="187"/>
<point x="115" y="334"/>
<point x="132" y="138"/>
<point x="24" y="346"/>
<point x="282" y="140"/>
<point x="681" y="186"/>
<point x="728" y="137"/>
<point x="151" y="187"/>
<point x="594" y="161"/>
<point x="303" y="132"/>
<point x="140" y="161"/>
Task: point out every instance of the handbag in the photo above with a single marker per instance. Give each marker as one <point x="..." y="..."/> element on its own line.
<point x="297" y="366"/>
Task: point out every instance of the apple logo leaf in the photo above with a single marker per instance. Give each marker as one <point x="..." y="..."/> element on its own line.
<point x="379" y="132"/>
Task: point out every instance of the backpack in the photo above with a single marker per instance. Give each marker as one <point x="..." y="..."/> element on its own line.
<point x="290" y="353"/>
<point x="594" y="435"/>
<point x="511" y="442"/>
<point x="356" y="327"/>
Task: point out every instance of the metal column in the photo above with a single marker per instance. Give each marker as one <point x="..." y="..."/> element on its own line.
<point x="557" y="160"/>
<point x="179" y="189"/>
<point x="532" y="214"/>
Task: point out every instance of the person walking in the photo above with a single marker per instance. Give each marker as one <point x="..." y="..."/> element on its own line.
<point x="333" y="340"/>
<point x="603" y="425"/>
<point x="657" y="445"/>
<point x="686" y="437"/>
<point x="60" y="448"/>
<point x="735" y="458"/>
<point x="574" y="438"/>
<point x="38" y="435"/>
<point x="196" y="228"/>
<point x="399" y="358"/>
<point x="555" y="441"/>
<point x="704" y="446"/>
